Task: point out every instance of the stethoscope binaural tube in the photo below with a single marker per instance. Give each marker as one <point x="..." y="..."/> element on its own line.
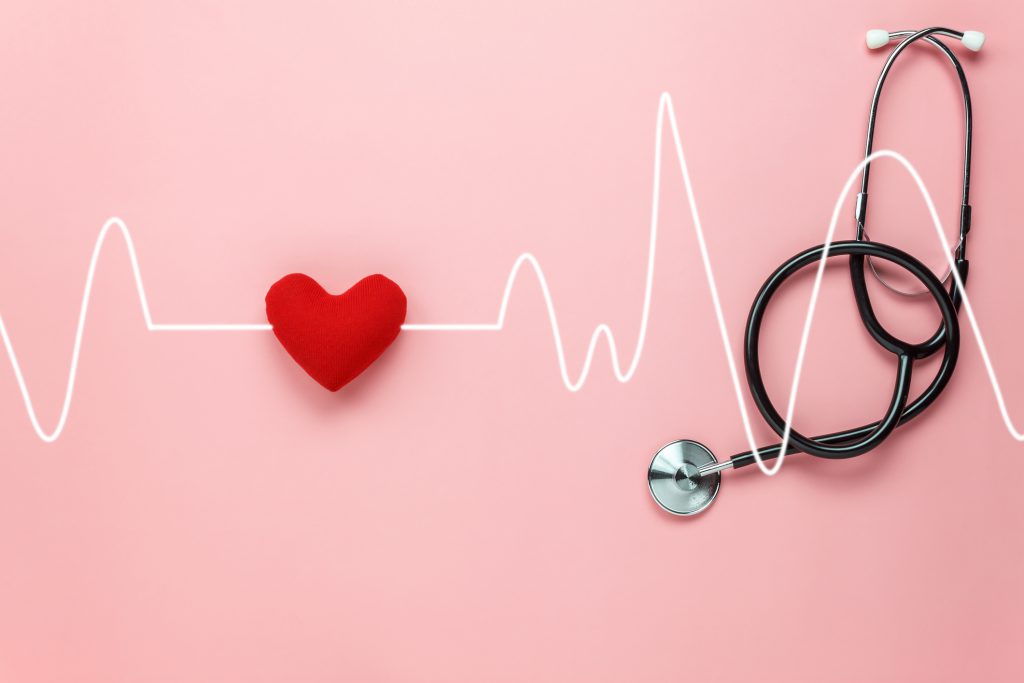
<point x="684" y="476"/>
<point x="974" y="41"/>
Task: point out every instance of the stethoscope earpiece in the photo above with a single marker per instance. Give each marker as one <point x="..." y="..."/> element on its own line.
<point x="973" y="40"/>
<point x="878" y="37"/>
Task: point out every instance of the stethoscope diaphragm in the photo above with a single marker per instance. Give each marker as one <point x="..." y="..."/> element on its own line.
<point x="675" y="481"/>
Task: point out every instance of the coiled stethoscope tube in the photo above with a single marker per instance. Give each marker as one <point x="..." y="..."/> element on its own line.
<point x="684" y="477"/>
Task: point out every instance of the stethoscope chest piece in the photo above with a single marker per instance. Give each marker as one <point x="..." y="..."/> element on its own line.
<point x="675" y="481"/>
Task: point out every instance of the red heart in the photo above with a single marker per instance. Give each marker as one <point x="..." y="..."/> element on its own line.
<point x="335" y="337"/>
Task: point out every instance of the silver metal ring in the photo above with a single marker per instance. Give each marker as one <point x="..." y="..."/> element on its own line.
<point x="675" y="481"/>
<point x="896" y="290"/>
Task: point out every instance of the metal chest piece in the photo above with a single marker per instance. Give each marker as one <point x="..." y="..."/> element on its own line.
<point x="674" y="479"/>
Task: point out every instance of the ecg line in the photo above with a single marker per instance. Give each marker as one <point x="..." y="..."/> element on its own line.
<point x="665" y="108"/>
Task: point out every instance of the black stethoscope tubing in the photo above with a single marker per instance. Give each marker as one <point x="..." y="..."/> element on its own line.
<point x="859" y="440"/>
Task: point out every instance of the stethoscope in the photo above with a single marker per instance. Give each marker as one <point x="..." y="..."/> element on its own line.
<point x="684" y="476"/>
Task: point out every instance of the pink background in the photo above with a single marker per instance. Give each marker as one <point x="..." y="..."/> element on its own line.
<point x="211" y="514"/>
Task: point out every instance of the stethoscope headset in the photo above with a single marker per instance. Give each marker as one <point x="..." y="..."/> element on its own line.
<point x="684" y="476"/>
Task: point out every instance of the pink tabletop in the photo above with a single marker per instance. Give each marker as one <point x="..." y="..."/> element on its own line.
<point x="209" y="513"/>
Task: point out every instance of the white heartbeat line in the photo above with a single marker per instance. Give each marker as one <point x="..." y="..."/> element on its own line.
<point x="665" y="108"/>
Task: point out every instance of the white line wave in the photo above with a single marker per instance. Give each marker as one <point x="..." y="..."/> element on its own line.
<point x="69" y="391"/>
<point x="665" y="110"/>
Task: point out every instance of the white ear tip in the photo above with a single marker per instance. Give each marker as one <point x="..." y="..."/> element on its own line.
<point x="973" y="40"/>
<point x="877" y="38"/>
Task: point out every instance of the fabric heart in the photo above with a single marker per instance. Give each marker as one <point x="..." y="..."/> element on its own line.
<point x="335" y="337"/>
